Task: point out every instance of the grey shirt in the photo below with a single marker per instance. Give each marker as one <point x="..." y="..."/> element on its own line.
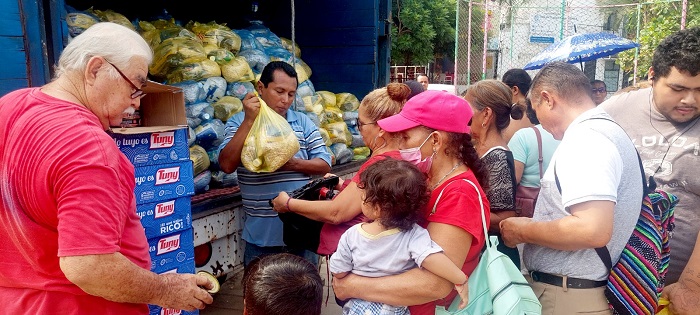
<point x="677" y="164"/>
<point x="595" y="161"/>
<point x="388" y="253"/>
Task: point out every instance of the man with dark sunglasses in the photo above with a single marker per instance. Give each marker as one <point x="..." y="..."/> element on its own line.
<point x="599" y="91"/>
<point x="70" y="239"/>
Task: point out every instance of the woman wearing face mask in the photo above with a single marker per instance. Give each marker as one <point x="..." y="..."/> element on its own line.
<point x="345" y="210"/>
<point x="435" y="138"/>
<point x="493" y="108"/>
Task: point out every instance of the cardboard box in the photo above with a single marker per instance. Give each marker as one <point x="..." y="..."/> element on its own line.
<point x="156" y="183"/>
<point x="153" y="145"/>
<point x="157" y="310"/>
<point x="165" y="217"/>
<point x="161" y="110"/>
<point x="171" y="251"/>
<point x="163" y="105"/>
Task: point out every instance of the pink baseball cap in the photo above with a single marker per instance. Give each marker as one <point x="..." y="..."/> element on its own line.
<point x="437" y="110"/>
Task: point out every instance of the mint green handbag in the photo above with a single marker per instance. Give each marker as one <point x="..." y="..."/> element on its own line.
<point x="496" y="286"/>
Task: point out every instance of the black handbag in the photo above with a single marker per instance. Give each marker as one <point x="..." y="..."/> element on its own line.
<point x="300" y="232"/>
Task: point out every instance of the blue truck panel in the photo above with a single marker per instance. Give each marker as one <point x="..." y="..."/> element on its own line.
<point x="23" y="19"/>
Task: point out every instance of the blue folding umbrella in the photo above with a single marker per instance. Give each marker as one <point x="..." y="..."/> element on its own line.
<point x="580" y="48"/>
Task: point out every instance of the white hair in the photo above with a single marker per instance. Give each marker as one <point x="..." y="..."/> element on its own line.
<point x="114" y="42"/>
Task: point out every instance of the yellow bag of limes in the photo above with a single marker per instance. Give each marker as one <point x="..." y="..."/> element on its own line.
<point x="271" y="142"/>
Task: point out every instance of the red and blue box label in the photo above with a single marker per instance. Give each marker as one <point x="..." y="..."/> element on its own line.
<point x="165" y="217"/>
<point x="154" y="148"/>
<point x="171" y="251"/>
<point x="156" y="183"/>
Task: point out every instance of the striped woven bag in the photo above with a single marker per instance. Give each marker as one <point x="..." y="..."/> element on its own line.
<point x="637" y="279"/>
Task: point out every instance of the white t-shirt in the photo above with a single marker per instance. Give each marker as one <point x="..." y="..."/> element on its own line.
<point x="595" y="161"/>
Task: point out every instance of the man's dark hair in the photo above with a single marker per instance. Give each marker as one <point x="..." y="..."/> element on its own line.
<point x="568" y="81"/>
<point x="530" y="112"/>
<point x="519" y="78"/>
<point x="268" y="72"/>
<point x="680" y="50"/>
<point x="399" y="189"/>
<point x="599" y="82"/>
<point x="282" y="284"/>
<point x="416" y="88"/>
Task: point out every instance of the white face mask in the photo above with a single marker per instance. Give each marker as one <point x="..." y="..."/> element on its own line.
<point x="413" y="155"/>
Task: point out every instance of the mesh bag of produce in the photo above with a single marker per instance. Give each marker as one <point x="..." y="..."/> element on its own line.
<point x="331" y="115"/>
<point x="257" y="59"/>
<point x="271" y="142"/>
<point x="248" y="40"/>
<point x="306" y="88"/>
<point x="342" y="153"/>
<point x="114" y="17"/>
<point x="287" y="44"/>
<point x="149" y="33"/>
<point x="78" y="22"/>
<point x="325" y="136"/>
<point x="220" y="55"/>
<point x="313" y="104"/>
<point x="328" y="98"/>
<point x="201" y="182"/>
<point x="347" y="102"/>
<point x="200" y="159"/>
<point x="197" y="70"/>
<point x="216" y="34"/>
<point x="175" y="52"/>
<point x="226" y="107"/>
<point x="237" y="70"/>
<point x="239" y="89"/>
<point x="339" y="133"/>
<point x="303" y="70"/>
<point x="214" y="89"/>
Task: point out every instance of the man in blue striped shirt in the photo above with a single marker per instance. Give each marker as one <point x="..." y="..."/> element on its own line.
<point x="262" y="229"/>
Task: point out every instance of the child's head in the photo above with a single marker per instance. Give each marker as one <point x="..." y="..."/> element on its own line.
<point x="282" y="284"/>
<point x="399" y="191"/>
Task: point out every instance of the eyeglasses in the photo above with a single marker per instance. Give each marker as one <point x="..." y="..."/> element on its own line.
<point x="360" y="124"/>
<point x="138" y="93"/>
<point x="598" y="90"/>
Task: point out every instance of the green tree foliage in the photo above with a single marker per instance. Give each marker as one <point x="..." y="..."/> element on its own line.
<point x="422" y="29"/>
<point x="658" y="19"/>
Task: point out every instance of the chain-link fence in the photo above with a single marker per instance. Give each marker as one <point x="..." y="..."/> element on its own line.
<point x="494" y="36"/>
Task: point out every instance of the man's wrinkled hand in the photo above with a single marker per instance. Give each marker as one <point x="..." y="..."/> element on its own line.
<point x="251" y="106"/>
<point x="513" y="230"/>
<point x="185" y="292"/>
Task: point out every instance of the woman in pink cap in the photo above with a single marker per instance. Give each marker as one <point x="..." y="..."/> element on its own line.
<point x="435" y="133"/>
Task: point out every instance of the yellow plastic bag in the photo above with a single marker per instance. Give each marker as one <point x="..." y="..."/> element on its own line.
<point x="226" y="107"/>
<point x="237" y="70"/>
<point x="663" y="304"/>
<point x="328" y="98"/>
<point x="271" y="142"/>
<point x="200" y="159"/>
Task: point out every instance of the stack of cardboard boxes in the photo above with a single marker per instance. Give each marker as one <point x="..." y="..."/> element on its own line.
<point x="164" y="181"/>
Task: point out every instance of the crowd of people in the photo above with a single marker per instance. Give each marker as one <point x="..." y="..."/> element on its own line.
<point x="404" y="234"/>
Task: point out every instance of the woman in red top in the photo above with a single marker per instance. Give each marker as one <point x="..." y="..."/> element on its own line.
<point x="345" y="209"/>
<point x="435" y="126"/>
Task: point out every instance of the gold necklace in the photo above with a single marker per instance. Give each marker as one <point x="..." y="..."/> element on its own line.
<point x="448" y="173"/>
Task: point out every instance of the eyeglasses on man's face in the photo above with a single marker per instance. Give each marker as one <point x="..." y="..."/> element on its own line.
<point x="138" y="93"/>
<point x="598" y="90"/>
<point x="361" y="124"/>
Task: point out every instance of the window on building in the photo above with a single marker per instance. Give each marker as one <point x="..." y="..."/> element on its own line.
<point x="611" y="76"/>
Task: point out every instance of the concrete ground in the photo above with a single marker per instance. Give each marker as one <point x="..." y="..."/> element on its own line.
<point x="229" y="300"/>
